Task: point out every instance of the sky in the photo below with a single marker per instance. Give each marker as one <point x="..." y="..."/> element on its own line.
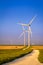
<point x="13" y="12"/>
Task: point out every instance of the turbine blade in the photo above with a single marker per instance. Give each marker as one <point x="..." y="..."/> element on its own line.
<point x="22" y="24"/>
<point x="32" y="20"/>
<point x="21" y="34"/>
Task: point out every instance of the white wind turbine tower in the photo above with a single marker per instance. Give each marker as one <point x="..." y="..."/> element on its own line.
<point x="29" y="30"/>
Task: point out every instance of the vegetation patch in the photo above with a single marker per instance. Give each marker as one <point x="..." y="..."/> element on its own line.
<point x="7" y="55"/>
<point x="40" y="57"/>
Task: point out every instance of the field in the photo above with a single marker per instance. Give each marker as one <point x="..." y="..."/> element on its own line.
<point x="40" y="57"/>
<point x="7" y="55"/>
<point x="19" y="47"/>
<point x="37" y="47"/>
<point x="11" y="47"/>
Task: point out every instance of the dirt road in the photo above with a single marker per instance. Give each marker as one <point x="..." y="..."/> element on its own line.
<point x="30" y="59"/>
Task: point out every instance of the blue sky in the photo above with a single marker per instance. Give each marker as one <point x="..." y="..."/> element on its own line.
<point x="20" y="11"/>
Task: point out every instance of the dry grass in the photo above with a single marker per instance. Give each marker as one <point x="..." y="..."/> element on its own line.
<point x="19" y="47"/>
<point x="11" y="47"/>
<point x="37" y="47"/>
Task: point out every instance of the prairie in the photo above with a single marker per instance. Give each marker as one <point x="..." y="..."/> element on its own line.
<point x="7" y="55"/>
<point x="37" y="47"/>
<point x="40" y="57"/>
<point x="11" y="47"/>
<point x="19" y="47"/>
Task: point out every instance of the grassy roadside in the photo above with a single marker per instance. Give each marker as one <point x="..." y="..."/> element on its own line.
<point x="40" y="57"/>
<point x="11" y="54"/>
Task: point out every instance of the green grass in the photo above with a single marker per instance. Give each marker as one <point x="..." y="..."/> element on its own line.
<point x="40" y="57"/>
<point x="9" y="55"/>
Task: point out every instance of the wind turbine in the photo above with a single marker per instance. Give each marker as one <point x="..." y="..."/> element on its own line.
<point x="29" y="30"/>
<point x="23" y="33"/>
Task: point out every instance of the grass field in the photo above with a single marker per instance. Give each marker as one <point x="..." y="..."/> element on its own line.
<point x="40" y="57"/>
<point x="11" y="47"/>
<point x="19" y="47"/>
<point x="7" y="55"/>
<point x="37" y="47"/>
